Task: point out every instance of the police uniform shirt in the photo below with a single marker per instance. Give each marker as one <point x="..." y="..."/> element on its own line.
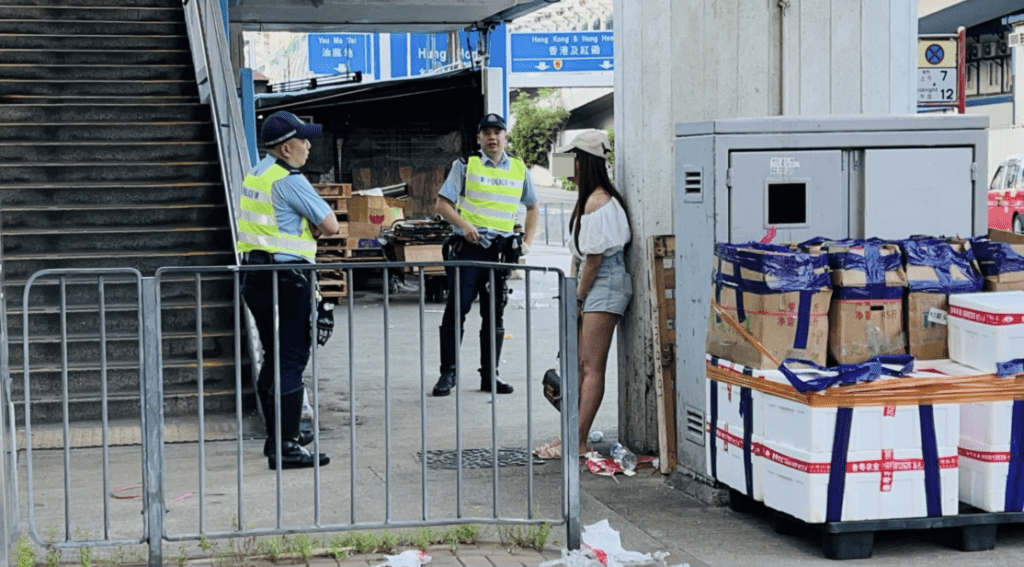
<point x="294" y="198"/>
<point x="452" y="188"/>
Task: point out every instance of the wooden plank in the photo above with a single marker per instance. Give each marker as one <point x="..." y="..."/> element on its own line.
<point x="663" y="278"/>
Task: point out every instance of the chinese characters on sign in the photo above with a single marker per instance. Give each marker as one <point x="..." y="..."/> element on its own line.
<point x="562" y="51"/>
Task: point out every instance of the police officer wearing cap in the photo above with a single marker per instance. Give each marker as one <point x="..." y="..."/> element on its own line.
<point x="479" y="199"/>
<point x="278" y="206"/>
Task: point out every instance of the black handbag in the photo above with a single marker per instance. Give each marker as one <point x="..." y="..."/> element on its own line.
<point x="553" y="388"/>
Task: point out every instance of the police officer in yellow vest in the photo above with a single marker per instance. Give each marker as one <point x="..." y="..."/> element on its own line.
<point x="277" y="206"/>
<point x="480" y="198"/>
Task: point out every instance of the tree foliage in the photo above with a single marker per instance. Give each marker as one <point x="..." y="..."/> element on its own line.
<point x="535" y="127"/>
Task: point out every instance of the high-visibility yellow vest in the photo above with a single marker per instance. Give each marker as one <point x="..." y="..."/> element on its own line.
<point x="257" y="222"/>
<point x="492" y="195"/>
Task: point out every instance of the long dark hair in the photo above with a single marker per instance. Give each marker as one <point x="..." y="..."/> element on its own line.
<point x="593" y="174"/>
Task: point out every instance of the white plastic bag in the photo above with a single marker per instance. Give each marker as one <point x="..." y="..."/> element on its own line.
<point x="408" y="558"/>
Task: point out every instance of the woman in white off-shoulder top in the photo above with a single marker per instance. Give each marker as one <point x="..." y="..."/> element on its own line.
<point x="599" y="233"/>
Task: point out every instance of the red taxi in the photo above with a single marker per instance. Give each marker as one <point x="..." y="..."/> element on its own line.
<point x="1006" y="195"/>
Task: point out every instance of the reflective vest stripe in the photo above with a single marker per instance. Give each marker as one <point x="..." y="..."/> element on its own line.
<point x="491" y="197"/>
<point x="257" y="222"/>
<point x="494" y="197"/>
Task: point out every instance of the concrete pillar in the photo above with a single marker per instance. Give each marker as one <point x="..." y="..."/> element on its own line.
<point x="693" y="60"/>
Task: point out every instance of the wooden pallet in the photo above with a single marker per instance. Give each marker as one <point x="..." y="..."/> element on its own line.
<point x="333" y="189"/>
<point x="663" y="285"/>
<point x="333" y="284"/>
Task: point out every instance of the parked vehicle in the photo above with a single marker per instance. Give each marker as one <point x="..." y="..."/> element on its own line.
<point x="1006" y="195"/>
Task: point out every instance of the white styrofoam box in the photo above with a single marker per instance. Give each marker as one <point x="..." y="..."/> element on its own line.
<point x="985" y="453"/>
<point x="986" y="328"/>
<point x="983" y="476"/>
<point x="729" y="401"/>
<point x="729" y="454"/>
<point x="986" y="424"/>
<point x="788" y="423"/>
<point x="879" y="485"/>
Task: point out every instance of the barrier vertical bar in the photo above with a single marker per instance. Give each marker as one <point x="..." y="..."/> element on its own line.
<point x="239" y="461"/>
<point x="64" y="401"/>
<point x="152" y="422"/>
<point x="423" y="397"/>
<point x="200" y="378"/>
<point x="571" y="411"/>
<point x="387" y="398"/>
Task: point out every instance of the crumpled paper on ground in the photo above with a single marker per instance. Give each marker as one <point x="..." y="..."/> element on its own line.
<point x="602" y="547"/>
<point x="408" y="558"/>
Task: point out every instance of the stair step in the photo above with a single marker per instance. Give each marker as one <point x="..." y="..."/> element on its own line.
<point x="64" y="172"/>
<point x="129" y="194"/>
<point x="93" y="27"/>
<point x="178" y="401"/>
<point x="92" y="41"/>
<point x="123" y="132"/>
<point x="127" y="112"/>
<point x="122" y="3"/>
<point x="138" y="239"/>
<point x="91" y="13"/>
<point x="97" y="56"/>
<point x="108" y="222"/>
<point x="146" y="261"/>
<point x="183" y="150"/>
<point x="119" y="90"/>
<point x="73" y="72"/>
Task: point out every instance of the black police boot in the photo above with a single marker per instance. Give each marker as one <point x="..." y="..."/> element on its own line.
<point x="267" y="403"/>
<point x="449" y="352"/>
<point x="485" y="361"/>
<point x="293" y="456"/>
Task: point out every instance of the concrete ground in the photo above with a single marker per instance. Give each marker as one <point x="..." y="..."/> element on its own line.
<point x="377" y="476"/>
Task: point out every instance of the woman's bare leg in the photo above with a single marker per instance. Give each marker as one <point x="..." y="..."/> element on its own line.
<point x="595" y="340"/>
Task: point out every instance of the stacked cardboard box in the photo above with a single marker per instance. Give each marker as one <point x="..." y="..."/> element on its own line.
<point x="778" y="295"/>
<point x="1001" y="259"/>
<point x="866" y="314"/>
<point x="935" y="269"/>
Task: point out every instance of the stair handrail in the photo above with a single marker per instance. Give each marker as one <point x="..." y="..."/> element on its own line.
<point x="208" y="38"/>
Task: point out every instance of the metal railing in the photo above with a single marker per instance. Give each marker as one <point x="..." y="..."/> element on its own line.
<point x="372" y="379"/>
<point x="215" y="77"/>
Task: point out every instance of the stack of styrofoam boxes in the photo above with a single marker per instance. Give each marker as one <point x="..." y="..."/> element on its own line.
<point x="986" y="329"/>
<point x="885" y="476"/>
<point x="727" y="445"/>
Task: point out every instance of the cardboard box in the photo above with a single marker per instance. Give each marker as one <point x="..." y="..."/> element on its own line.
<point x="926" y="339"/>
<point x="367" y="215"/>
<point x="849" y="265"/>
<point x="1002" y="260"/>
<point x="421" y="253"/>
<point x="784" y="297"/>
<point x="938" y="266"/>
<point x="861" y="329"/>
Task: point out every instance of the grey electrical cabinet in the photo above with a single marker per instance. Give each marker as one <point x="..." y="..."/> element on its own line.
<point x="838" y="177"/>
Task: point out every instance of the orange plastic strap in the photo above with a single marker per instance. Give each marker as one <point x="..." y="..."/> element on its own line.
<point x="743" y="332"/>
<point x="907" y="391"/>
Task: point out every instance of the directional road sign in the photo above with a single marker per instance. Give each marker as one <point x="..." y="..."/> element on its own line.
<point x="554" y="52"/>
<point x="333" y="53"/>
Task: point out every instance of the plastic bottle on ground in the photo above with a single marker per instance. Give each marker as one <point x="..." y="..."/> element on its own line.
<point x="623" y="456"/>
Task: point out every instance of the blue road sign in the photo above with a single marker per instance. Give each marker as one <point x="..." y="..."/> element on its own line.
<point x="935" y="54"/>
<point x="427" y="51"/>
<point x="333" y="53"/>
<point x="553" y="52"/>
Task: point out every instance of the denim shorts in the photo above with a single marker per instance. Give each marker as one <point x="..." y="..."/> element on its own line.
<point x="612" y="288"/>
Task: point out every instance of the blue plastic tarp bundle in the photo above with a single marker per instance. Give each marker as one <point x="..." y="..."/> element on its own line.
<point x="785" y="269"/>
<point x="872" y="262"/>
<point x="941" y="256"/>
<point x="996" y="258"/>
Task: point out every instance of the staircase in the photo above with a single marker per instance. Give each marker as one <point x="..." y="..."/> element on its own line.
<point x="108" y="160"/>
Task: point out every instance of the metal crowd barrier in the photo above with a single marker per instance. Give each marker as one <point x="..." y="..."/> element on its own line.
<point x="407" y="460"/>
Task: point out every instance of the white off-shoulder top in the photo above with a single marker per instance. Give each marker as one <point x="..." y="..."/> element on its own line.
<point x="604" y="231"/>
